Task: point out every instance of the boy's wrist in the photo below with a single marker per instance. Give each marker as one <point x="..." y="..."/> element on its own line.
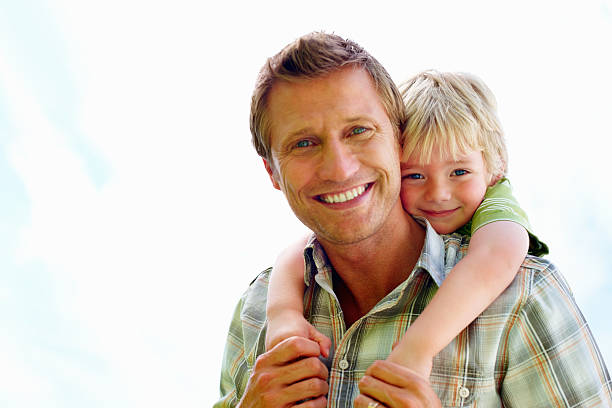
<point x="416" y="346"/>
<point x="411" y="357"/>
<point x="283" y="313"/>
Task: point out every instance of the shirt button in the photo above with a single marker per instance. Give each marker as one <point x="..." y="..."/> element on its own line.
<point x="464" y="392"/>
<point x="343" y="364"/>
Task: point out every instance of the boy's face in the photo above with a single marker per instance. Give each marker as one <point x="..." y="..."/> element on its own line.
<point x="444" y="191"/>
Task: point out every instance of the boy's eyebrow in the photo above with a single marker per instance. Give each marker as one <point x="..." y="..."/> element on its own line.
<point x="461" y="162"/>
<point x="406" y="165"/>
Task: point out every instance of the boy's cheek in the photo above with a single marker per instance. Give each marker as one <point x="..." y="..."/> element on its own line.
<point x="405" y="197"/>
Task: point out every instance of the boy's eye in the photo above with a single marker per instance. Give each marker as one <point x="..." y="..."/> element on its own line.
<point x="459" y="172"/>
<point x="414" y="176"/>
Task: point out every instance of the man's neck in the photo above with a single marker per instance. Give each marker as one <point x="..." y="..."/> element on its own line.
<point x="368" y="270"/>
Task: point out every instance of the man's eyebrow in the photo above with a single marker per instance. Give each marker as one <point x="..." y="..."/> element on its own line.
<point x="300" y="132"/>
<point x="309" y="129"/>
<point x="360" y="118"/>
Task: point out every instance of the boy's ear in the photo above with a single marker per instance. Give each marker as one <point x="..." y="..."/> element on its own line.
<point x="495" y="179"/>
<point x="271" y="174"/>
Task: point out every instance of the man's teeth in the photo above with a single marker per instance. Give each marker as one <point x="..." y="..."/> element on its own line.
<point x="343" y="197"/>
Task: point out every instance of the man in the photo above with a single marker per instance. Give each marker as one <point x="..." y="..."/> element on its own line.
<point x="326" y="119"/>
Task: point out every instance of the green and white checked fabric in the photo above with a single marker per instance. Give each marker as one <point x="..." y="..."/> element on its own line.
<point x="530" y="348"/>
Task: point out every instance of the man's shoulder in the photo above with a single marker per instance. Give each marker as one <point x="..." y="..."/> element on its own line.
<point x="245" y="340"/>
<point x="542" y="271"/>
<point x="537" y="277"/>
<point x="538" y="286"/>
<point x="456" y="247"/>
<point x="254" y="298"/>
<point x="544" y="277"/>
<point x="248" y="324"/>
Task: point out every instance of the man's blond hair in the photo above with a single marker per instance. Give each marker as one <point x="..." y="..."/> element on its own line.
<point x="452" y="113"/>
<point x="311" y="56"/>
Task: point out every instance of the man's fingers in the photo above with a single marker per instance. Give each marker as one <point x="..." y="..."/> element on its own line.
<point x="309" y="389"/>
<point x="286" y="384"/>
<point x="363" y="401"/>
<point x="386" y="395"/>
<point x="320" y="402"/>
<point x="395" y="374"/>
<point x="292" y="349"/>
<point x="374" y="390"/>
<point x="395" y="385"/>
<point x="310" y="367"/>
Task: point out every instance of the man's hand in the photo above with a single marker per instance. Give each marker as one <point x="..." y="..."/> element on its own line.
<point x="392" y="385"/>
<point x="287" y="374"/>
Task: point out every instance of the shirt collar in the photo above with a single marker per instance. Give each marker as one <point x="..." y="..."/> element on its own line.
<point x="432" y="254"/>
<point x="431" y="259"/>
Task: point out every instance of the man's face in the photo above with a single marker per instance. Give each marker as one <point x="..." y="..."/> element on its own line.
<point x="334" y="154"/>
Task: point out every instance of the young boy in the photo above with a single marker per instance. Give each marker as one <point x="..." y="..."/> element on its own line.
<point x="453" y="166"/>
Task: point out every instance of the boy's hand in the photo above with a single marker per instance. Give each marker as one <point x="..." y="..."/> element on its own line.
<point x="412" y="358"/>
<point x="289" y="324"/>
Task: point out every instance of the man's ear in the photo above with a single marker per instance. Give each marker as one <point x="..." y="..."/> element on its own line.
<point x="271" y="173"/>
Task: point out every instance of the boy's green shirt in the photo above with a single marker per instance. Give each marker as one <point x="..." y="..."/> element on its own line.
<point x="499" y="204"/>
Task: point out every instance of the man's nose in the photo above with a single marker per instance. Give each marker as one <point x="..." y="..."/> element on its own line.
<point x="437" y="191"/>
<point x="338" y="162"/>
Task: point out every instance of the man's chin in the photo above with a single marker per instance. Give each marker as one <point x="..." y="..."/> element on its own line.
<point x="346" y="234"/>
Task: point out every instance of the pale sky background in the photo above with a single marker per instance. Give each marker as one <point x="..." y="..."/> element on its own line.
<point x="134" y="211"/>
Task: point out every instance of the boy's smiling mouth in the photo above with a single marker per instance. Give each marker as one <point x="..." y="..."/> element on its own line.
<point x="440" y="214"/>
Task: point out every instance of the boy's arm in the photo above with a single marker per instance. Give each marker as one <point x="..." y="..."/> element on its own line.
<point x="494" y="256"/>
<point x="285" y="305"/>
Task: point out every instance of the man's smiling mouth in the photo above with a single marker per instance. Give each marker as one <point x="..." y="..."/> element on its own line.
<point x="344" y="196"/>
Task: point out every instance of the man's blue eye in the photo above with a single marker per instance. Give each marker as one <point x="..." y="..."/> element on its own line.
<point x="358" y="130"/>
<point x="414" y="176"/>
<point x="302" y="143"/>
<point x="460" y="172"/>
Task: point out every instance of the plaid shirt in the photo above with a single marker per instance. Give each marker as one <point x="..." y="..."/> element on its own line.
<point x="530" y="348"/>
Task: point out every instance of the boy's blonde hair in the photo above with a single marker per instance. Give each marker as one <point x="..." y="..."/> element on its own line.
<point x="452" y="113"/>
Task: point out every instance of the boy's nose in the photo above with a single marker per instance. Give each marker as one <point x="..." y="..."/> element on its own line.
<point x="437" y="191"/>
<point x="338" y="163"/>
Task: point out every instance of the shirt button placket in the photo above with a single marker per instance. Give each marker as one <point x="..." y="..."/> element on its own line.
<point x="343" y="364"/>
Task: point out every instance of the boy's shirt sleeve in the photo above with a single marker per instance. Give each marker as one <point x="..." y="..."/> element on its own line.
<point x="500" y="205"/>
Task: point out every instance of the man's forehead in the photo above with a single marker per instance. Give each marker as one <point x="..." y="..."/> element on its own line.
<point x="347" y="95"/>
<point x="329" y="83"/>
